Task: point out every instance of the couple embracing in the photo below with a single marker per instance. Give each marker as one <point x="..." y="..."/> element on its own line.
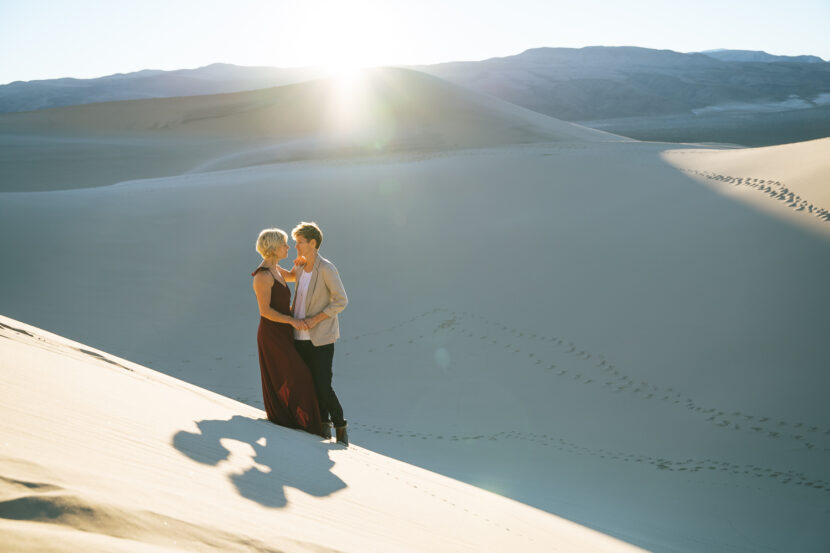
<point x="296" y="340"/>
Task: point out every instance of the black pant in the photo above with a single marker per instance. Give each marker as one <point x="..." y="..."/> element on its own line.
<point x="319" y="360"/>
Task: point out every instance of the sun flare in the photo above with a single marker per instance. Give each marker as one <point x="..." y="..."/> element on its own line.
<point x="349" y="38"/>
<point x="347" y="97"/>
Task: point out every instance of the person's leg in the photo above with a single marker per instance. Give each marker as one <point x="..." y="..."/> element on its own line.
<point x="325" y="357"/>
<point x="310" y="357"/>
<point x="322" y="371"/>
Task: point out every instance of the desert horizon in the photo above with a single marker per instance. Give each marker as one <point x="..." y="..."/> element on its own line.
<point x="739" y="97"/>
<point x="558" y="336"/>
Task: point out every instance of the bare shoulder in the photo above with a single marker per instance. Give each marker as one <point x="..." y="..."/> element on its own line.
<point x="263" y="278"/>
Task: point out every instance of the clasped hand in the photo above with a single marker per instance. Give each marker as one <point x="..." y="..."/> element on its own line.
<point x="303" y="324"/>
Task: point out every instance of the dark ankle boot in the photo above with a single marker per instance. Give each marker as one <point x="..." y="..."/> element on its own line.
<point x="325" y="430"/>
<point x="342" y="434"/>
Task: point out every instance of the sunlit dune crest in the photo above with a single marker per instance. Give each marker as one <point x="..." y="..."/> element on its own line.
<point x="790" y="181"/>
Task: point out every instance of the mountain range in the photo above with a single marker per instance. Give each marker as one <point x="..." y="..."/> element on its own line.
<point x="149" y="83"/>
<point x="599" y="82"/>
<point x="661" y="95"/>
<point x="758" y="56"/>
<point x="745" y="97"/>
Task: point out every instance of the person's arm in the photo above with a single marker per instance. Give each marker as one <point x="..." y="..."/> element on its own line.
<point x="337" y="296"/>
<point x="262" y="288"/>
<point x="291" y="276"/>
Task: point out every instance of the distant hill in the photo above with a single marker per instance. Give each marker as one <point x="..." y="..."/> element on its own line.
<point x="609" y="82"/>
<point x="758" y="56"/>
<point x="660" y="95"/>
<point x="212" y="79"/>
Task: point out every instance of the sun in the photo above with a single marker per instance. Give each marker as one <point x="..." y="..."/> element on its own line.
<point x="348" y="41"/>
<point x="346" y="38"/>
<point x="348" y="61"/>
<point x="347" y="57"/>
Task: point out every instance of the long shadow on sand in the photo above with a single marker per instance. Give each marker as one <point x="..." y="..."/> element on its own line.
<point x="281" y="458"/>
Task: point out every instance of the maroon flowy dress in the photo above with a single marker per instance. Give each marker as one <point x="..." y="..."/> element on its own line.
<point x="287" y="384"/>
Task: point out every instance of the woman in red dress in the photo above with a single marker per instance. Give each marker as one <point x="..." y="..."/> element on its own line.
<point x="287" y="385"/>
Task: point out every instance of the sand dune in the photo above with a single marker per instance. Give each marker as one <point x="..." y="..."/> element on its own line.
<point x="577" y="326"/>
<point x="126" y="459"/>
<point x="400" y="102"/>
<point x="791" y="181"/>
<point x="380" y="111"/>
<point x="564" y="318"/>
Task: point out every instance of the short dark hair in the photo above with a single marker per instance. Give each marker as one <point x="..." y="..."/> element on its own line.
<point x="309" y="231"/>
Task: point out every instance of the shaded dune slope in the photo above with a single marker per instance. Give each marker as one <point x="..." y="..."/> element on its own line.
<point x="380" y="111"/>
<point x="398" y="102"/>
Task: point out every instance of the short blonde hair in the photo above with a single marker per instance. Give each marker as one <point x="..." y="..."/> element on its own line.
<point x="269" y="240"/>
<point x="309" y="231"/>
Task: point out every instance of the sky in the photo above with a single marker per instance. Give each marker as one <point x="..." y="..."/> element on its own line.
<point x="46" y="39"/>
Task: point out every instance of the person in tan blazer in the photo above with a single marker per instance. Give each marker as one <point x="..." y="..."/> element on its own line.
<point x="318" y="298"/>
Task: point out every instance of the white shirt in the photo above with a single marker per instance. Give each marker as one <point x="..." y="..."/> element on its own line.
<point x="299" y="303"/>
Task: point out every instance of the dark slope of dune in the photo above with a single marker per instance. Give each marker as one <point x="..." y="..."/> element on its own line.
<point x="381" y="111"/>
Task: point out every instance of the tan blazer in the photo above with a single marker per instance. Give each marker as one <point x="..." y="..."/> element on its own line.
<point x="325" y="294"/>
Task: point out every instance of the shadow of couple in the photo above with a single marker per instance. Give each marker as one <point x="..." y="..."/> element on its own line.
<point x="282" y="457"/>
